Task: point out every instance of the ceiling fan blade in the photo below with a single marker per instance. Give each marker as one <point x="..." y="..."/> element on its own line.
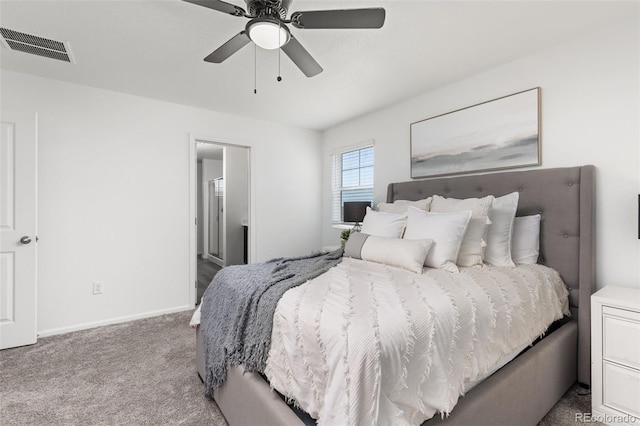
<point x="343" y="18"/>
<point x="236" y="43"/>
<point x="301" y="57"/>
<point x="220" y="6"/>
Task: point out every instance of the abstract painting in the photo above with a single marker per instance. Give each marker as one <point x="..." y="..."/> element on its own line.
<point x="498" y="134"/>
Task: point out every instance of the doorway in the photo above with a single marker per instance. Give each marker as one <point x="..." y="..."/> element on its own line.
<point x="221" y="189"/>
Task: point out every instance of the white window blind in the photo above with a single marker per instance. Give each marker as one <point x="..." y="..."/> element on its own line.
<point x="351" y="179"/>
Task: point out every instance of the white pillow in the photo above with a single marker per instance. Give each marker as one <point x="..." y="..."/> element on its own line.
<point x="525" y="246"/>
<point x="383" y="224"/>
<point x="407" y="254"/>
<point x="401" y="206"/>
<point x="502" y="214"/>
<point x="445" y="229"/>
<point x="474" y="242"/>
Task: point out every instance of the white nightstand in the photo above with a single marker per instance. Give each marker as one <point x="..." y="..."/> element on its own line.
<point x="615" y="355"/>
<point x="327" y="249"/>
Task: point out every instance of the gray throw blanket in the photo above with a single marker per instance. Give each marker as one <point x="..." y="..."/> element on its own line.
<point x="238" y="306"/>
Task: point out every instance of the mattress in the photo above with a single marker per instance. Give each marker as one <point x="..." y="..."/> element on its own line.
<point x="367" y="343"/>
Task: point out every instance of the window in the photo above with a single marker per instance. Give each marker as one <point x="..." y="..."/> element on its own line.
<point x="352" y="179"/>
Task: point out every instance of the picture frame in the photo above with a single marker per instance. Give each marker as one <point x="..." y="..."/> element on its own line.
<point x="502" y="133"/>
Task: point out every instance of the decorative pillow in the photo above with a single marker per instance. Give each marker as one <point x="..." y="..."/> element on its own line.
<point x="401" y="206"/>
<point x="407" y="254"/>
<point x="525" y="246"/>
<point x="445" y="229"/>
<point x="383" y="224"/>
<point x="474" y="242"/>
<point x="502" y="214"/>
<point x="353" y="246"/>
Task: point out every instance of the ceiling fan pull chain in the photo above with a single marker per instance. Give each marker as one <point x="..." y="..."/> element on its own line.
<point x="279" y="50"/>
<point x="255" y="69"/>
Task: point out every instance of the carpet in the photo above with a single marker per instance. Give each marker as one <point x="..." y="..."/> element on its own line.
<point x="137" y="373"/>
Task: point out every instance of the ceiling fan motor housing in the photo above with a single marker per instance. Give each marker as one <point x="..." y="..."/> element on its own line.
<point x="272" y="8"/>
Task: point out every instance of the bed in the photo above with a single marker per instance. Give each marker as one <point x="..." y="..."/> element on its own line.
<point x="527" y="387"/>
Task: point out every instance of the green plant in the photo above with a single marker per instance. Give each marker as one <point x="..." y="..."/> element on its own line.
<point x="345" y="234"/>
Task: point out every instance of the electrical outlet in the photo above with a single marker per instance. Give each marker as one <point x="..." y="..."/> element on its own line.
<point x="97" y="287"/>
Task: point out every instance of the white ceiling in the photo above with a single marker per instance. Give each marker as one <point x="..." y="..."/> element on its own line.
<point x="154" y="48"/>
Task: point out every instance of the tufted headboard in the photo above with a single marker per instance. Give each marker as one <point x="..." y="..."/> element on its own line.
<point x="565" y="198"/>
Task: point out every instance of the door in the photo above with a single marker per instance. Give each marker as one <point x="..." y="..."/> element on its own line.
<point x="219" y="193"/>
<point x="18" y="187"/>
<point x="216" y="217"/>
<point x="213" y="219"/>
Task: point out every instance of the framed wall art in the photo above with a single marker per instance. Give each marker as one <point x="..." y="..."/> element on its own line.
<point x="502" y="133"/>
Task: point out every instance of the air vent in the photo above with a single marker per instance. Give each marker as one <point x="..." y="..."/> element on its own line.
<point x="28" y="43"/>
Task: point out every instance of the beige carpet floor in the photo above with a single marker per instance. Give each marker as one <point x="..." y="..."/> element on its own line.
<point x="137" y="373"/>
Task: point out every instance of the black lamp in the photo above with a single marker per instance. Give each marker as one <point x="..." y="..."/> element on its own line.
<point x="354" y="211"/>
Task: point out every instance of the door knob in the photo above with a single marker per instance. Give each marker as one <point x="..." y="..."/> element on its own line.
<point x="25" y="240"/>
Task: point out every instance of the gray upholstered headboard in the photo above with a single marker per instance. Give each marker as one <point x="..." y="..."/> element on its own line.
<point x="565" y="197"/>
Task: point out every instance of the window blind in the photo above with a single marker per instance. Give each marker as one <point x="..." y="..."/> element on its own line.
<point x="351" y="179"/>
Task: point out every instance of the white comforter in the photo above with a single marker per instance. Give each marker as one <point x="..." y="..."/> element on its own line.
<point x="367" y="344"/>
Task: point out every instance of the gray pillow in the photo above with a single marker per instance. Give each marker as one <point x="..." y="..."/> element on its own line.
<point x="354" y="244"/>
<point x="406" y="254"/>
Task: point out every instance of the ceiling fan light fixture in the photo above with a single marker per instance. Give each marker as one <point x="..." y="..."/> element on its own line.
<point x="268" y="33"/>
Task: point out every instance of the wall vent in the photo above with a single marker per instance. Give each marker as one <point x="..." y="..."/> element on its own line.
<point x="28" y="43"/>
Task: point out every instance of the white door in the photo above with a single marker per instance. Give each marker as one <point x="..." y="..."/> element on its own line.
<point x="18" y="157"/>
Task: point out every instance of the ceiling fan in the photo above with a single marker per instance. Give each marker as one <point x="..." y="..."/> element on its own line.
<point x="267" y="28"/>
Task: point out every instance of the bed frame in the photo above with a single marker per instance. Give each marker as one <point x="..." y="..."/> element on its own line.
<point x="524" y="390"/>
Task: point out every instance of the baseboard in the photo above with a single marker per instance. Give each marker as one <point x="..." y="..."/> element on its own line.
<point x="216" y="260"/>
<point x="112" y="321"/>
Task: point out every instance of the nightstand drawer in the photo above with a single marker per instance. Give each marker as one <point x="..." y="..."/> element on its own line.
<point x="621" y="389"/>
<point x="621" y="335"/>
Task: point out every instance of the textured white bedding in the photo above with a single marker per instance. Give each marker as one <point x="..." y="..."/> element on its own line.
<point x="367" y="343"/>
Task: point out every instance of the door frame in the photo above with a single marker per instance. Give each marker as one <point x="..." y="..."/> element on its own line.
<point x="193" y="213"/>
<point x="216" y="257"/>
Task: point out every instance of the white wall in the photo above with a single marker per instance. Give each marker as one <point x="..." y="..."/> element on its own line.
<point x="212" y="169"/>
<point x="590" y="115"/>
<point x="114" y="197"/>
<point x="236" y="202"/>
